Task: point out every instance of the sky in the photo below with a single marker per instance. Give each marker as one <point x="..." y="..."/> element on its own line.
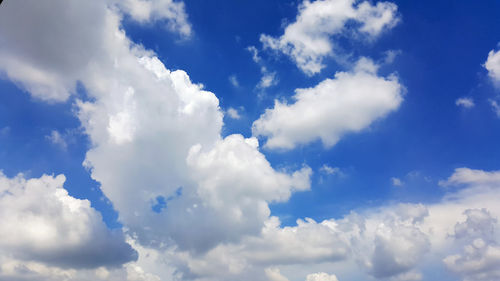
<point x="326" y="140"/>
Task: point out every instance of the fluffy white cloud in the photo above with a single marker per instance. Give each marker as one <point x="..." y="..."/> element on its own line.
<point x="492" y="64"/>
<point x="480" y="257"/>
<point x="196" y="205"/>
<point x="472" y="177"/>
<point x="308" y="40"/>
<point x="348" y="103"/>
<point x="465" y="102"/>
<point x="173" y="12"/>
<point x="155" y="135"/>
<point x="47" y="58"/>
<point x="42" y="223"/>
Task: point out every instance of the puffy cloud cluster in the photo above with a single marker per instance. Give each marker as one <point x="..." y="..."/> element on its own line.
<point x="308" y="40"/>
<point x="41" y="223"/>
<point x="480" y="257"/>
<point x="173" y="12"/>
<point x="155" y="135"/>
<point x="492" y="64"/>
<point x="469" y="176"/>
<point x="348" y="103"/>
<point x="194" y="204"/>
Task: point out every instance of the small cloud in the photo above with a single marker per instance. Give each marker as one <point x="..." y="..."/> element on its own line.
<point x="492" y="64"/>
<point x="255" y="53"/>
<point x="328" y="170"/>
<point x="268" y="79"/>
<point x="234" y="81"/>
<point x="56" y="138"/>
<point x="391" y="55"/>
<point x="233" y="113"/>
<point x="465" y="102"/>
<point x="496" y="107"/>
<point x="396" y="181"/>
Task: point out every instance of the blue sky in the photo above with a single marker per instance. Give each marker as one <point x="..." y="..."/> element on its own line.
<point x="395" y="122"/>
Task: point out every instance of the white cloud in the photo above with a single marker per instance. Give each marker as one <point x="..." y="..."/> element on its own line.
<point x="42" y="223"/>
<point x="255" y="54"/>
<point x="492" y="64"/>
<point x="234" y="81"/>
<point x="495" y="106"/>
<point x="396" y="181"/>
<point x="321" y="276"/>
<point x="268" y="79"/>
<point x="472" y="177"/>
<point x="390" y="56"/>
<point x="480" y="257"/>
<point x="173" y="12"/>
<point x="307" y="41"/>
<point x="48" y="64"/>
<point x="348" y="103"/>
<point x="56" y="138"/>
<point x="155" y="134"/>
<point x="328" y="170"/>
<point x="233" y="113"/>
<point x="465" y="102"/>
<point x="274" y="274"/>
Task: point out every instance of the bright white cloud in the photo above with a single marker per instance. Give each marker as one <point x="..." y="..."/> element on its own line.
<point x="268" y="79"/>
<point x="321" y="276"/>
<point x="48" y="64"/>
<point x="42" y="223"/>
<point x="348" y="103"/>
<point x="472" y="177"/>
<point x="233" y="113"/>
<point x="307" y="41"/>
<point x="173" y="12"/>
<point x="156" y="134"/>
<point x="465" y="102"/>
<point x="492" y="64"/>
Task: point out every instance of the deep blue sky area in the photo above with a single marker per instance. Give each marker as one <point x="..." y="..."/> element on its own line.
<point x="442" y="46"/>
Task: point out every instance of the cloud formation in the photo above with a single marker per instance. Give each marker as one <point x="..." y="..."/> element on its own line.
<point x="42" y="223"/>
<point x="307" y="41"/>
<point x="348" y="103"/>
<point x="492" y="64"/>
<point x="194" y="204"/>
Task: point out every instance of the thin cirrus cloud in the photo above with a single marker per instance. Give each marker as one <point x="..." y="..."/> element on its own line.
<point x="307" y="41"/>
<point x="349" y="102"/>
